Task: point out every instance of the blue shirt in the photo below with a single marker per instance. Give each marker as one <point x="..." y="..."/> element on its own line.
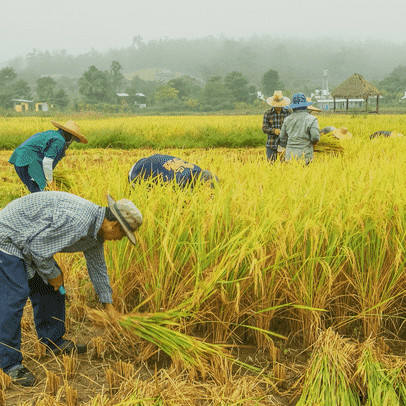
<point x="32" y="152"/>
<point x="37" y="226"/>
<point x="165" y="168"/>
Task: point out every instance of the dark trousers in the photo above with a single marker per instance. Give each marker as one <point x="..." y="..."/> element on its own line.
<point x="48" y="306"/>
<point x="22" y="172"/>
<point x="271" y="153"/>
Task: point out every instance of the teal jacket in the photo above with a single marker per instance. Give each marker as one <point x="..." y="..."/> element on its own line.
<point x="31" y="153"/>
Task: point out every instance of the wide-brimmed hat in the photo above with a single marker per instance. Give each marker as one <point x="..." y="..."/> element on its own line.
<point x="299" y="100"/>
<point x="339" y="133"/>
<point x="278" y="100"/>
<point x="127" y="214"/>
<point x="72" y="128"/>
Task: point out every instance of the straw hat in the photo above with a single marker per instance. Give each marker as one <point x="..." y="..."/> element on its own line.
<point x="127" y="214"/>
<point x="278" y="100"/>
<point x="72" y="128"/>
<point x="341" y="133"/>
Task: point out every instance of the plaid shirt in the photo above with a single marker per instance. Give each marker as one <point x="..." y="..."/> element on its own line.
<point x="37" y="226"/>
<point x="271" y="121"/>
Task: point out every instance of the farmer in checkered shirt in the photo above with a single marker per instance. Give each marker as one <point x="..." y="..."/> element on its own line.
<point x="32" y="229"/>
<point x="272" y="122"/>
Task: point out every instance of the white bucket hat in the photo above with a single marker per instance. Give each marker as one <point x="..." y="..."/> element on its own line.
<point x="127" y="214"/>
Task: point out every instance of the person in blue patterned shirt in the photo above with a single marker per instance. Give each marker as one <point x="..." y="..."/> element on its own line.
<point x="35" y="159"/>
<point x="32" y="229"/>
<point x="273" y="121"/>
<point x="167" y="168"/>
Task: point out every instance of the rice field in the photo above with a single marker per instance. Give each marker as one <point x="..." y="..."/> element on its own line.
<point x="284" y="285"/>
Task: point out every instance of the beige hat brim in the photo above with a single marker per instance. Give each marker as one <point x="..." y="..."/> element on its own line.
<point x="283" y="103"/>
<point x="130" y="234"/>
<point x="315" y="109"/>
<point x="81" y="137"/>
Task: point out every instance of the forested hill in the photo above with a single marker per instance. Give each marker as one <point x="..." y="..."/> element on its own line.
<point x="296" y="60"/>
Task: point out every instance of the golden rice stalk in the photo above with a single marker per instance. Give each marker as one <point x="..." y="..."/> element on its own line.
<point x="2" y="398"/>
<point x="98" y="346"/>
<point x="279" y="373"/>
<point x="40" y="350"/>
<point x="71" y="396"/>
<point x="62" y="180"/>
<point x="70" y="363"/>
<point x="52" y="383"/>
<point x="5" y="380"/>
<point x="113" y="380"/>
<point x="125" y="369"/>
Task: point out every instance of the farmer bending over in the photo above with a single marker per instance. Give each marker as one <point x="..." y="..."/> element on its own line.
<point x="32" y="229"/>
<point x="35" y="159"/>
<point x="167" y="168"/>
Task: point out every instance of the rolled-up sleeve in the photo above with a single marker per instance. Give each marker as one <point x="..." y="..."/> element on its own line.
<point x="96" y="267"/>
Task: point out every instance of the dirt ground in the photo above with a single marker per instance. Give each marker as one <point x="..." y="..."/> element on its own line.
<point x="90" y="374"/>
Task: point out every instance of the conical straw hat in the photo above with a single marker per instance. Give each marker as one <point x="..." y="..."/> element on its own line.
<point x="72" y="128"/>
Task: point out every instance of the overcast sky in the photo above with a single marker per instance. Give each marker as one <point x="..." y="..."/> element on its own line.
<point x="80" y="25"/>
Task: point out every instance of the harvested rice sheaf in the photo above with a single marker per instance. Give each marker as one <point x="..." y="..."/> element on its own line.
<point x="328" y="380"/>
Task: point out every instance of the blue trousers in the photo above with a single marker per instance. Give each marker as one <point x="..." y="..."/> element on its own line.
<point x="271" y="153"/>
<point x="22" y="172"/>
<point x="48" y="306"/>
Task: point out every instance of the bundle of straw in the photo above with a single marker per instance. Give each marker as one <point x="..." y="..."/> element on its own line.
<point x="328" y="378"/>
<point x="162" y="329"/>
<point x="330" y="144"/>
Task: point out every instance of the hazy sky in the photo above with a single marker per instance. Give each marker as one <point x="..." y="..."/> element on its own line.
<point x="79" y="25"/>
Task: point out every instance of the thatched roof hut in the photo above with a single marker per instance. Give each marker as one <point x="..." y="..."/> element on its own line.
<point x="356" y="87"/>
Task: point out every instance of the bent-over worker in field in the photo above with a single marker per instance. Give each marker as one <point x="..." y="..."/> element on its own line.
<point x="272" y="122"/>
<point x="35" y="159"/>
<point x="32" y="229"/>
<point x="167" y="168"/>
<point x="300" y="131"/>
<point x="391" y="134"/>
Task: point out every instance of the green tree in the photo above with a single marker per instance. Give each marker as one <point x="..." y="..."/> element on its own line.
<point x="45" y="89"/>
<point x="117" y="78"/>
<point x="215" y="95"/>
<point x="7" y="90"/>
<point x="237" y="84"/>
<point x="95" y="86"/>
<point x="270" y="82"/>
<point x="394" y="84"/>
<point x="186" y="86"/>
<point x="22" y="89"/>
<point x="61" y="99"/>
<point x="166" y="94"/>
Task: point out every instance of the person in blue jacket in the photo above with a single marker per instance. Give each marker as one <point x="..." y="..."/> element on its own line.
<point x="167" y="168"/>
<point x="35" y="159"/>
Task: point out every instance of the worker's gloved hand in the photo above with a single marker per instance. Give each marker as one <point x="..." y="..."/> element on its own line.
<point x="57" y="282"/>
<point x="113" y="314"/>
<point x="277" y="131"/>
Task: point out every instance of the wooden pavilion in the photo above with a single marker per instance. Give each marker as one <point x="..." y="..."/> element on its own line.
<point x="356" y="87"/>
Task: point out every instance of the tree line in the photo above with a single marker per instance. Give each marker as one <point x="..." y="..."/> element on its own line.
<point x="101" y="89"/>
<point x="111" y="90"/>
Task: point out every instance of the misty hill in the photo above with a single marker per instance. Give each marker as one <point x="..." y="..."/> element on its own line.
<point x="297" y="61"/>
